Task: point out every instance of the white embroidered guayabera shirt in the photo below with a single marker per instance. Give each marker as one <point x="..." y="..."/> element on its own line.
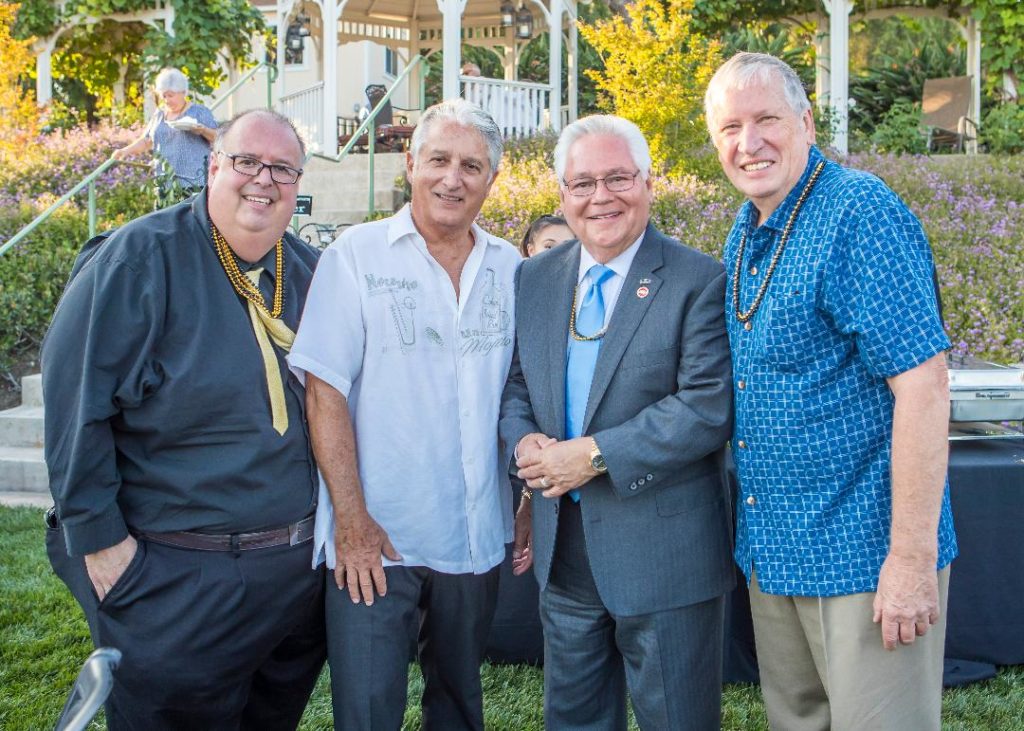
<point x="423" y="372"/>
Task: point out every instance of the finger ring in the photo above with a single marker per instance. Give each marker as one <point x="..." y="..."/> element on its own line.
<point x="544" y="483"/>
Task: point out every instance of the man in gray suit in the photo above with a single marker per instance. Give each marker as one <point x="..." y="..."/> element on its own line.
<point x="617" y="408"/>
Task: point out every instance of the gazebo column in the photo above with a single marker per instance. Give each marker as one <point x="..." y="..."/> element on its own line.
<point x="330" y="11"/>
<point x="416" y="80"/>
<point x="839" y="57"/>
<point x="555" y="64"/>
<point x="821" y="61"/>
<point x="451" y="32"/>
<point x="574" y="72"/>
<point x="972" y="32"/>
<point x="44" y="69"/>
<point x="282" y="17"/>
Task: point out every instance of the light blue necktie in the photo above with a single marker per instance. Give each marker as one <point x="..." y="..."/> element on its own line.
<point x="582" y="356"/>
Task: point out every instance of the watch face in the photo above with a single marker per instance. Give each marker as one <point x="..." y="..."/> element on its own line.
<point x="597" y="462"/>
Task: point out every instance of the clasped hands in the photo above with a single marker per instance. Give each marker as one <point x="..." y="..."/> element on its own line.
<point x="552" y="466"/>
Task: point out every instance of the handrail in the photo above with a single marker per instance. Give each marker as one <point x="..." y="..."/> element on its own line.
<point x="271" y="77"/>
<point x="89" y="181"/>
<point x="368" y="126"/>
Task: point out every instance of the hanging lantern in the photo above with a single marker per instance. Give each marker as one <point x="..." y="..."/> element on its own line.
<point x="508" y="14"/>
<point x="524" y="24"/>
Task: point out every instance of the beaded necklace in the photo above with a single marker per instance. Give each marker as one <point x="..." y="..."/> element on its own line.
<point x="572" y="323"/>
<point x="242" y="284"/>
<point x="745" y="317"/>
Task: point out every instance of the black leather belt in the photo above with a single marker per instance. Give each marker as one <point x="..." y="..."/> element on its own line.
<point x="290" y="535"/>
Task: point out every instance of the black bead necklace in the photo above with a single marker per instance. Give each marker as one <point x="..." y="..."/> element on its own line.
<point x="745" y="317"/>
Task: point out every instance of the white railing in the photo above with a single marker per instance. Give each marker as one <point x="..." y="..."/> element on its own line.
<point x="306" y="110"/>
<point x="519" y="107"/>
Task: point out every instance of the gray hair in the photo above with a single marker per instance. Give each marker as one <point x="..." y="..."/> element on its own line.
<point x="466" y="114"/>
<point x="268" y="114"/>
<point x="171" y="80"/>
<point x="604" y="124"/>
<point x="744" y="69"/>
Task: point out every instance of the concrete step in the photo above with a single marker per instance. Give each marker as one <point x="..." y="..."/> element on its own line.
<point x="25" y="499"/>
<point x="32" y="390"/>
<point x="22" y="427"/>
<point x="22" y="469"/>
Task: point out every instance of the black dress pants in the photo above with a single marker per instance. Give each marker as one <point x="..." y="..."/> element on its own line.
<point x="447" y="615"/>
<point x="209" y="639"/>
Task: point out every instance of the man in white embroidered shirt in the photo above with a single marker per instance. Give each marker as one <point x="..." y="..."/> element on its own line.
<point x="405" y="344"/>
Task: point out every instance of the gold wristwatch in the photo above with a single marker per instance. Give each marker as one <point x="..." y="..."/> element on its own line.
<point x="597" y="459"/>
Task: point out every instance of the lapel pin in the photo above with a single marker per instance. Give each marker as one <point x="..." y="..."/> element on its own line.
<point x="645" y="280"/>
<point x="642" y="292"/>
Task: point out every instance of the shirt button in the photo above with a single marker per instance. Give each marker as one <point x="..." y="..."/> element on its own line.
<point x="741" y="444"/>
<point x="753" y="271"/>
<point x="751" y="500"/>
<point x="741" y="384"/>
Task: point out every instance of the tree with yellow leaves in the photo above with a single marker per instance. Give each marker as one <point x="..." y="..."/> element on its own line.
<point x="19" y="118"/>
<point x="656" y="68"/>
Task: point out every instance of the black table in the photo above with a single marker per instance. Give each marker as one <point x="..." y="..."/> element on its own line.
<point x="985" y="621"/>
<point x="986" y="583"/>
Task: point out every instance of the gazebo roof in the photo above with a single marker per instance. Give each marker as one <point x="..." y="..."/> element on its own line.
<point x="425" y="12"/>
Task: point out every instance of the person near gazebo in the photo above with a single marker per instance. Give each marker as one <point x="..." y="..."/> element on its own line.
<point x="180" y="133"/>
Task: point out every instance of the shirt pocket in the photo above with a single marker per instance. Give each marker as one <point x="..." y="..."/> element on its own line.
<point x="792" y="330"/>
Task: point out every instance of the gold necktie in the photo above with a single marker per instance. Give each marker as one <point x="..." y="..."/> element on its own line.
<point x="263" y="324"/>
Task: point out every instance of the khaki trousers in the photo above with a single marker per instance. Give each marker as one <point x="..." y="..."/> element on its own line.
<point x="823" y="666"/>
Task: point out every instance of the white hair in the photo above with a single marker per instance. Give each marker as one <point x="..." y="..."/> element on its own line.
<point x="745" y="69"/>
<point x="171" y="80"/>
<point x="466" y="114"/>
<point x="604" y="124"/>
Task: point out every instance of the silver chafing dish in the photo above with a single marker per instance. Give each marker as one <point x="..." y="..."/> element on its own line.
<point x="980" y="391"/>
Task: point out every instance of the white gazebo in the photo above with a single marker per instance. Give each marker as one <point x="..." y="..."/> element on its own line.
<point x="832" y="80"/>
<point x="420" y="27"/>
<point x="406" y="28"/>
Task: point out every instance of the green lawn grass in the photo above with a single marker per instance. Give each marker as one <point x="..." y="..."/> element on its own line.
<point x="44" y="640"/>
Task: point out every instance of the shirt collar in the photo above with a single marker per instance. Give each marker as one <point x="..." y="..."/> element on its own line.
<point x="780" y="215"/>
<point x="620" y="264"/>
<point x="401" y="225"/>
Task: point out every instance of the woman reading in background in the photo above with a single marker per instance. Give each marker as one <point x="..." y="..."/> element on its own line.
<point x="180" y="133"/>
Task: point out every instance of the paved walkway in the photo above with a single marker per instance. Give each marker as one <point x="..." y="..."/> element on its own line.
<point x="21" y="499"/>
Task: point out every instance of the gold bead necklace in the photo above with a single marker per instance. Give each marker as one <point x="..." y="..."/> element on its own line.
<point x="572" y="323"/>
<point x="742" y="316"/>
<point x="242" y="284"/>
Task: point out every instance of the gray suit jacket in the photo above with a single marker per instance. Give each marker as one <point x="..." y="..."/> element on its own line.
<point x="658" y="525"/>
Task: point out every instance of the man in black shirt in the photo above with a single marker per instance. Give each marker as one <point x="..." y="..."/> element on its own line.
<point x="179" y="459"/>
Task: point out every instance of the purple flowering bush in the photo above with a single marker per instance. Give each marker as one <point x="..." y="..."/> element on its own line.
<point x="971" y="207"/>
<point x="32" y="274"/>
<point x="973" y="211"/>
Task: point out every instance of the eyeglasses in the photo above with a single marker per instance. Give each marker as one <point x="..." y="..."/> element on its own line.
<point x="252" y="167"/>
<point x="614" y="183"/>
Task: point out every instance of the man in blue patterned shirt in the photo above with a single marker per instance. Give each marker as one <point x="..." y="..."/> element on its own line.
<point x="843" y="521"/>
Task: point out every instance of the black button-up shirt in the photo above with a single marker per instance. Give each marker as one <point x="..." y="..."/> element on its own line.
<point x="157" y="410"/>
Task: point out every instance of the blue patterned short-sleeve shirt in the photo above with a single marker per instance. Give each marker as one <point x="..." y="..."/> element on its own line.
<point x="851" y="303"/>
